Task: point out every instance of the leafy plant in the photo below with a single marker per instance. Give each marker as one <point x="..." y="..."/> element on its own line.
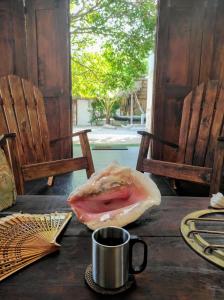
<point x="104" y="108"/>
<point x="111" y="41"/>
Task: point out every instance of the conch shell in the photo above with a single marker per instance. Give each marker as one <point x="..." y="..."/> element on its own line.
<point x="116" y="196"/>
<point x="217" y="200"/>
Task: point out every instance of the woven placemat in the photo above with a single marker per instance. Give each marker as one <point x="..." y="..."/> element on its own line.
<point x="94" y="287"/>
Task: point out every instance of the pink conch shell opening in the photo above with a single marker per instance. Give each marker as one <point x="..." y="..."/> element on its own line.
<point x="115" y="196"/>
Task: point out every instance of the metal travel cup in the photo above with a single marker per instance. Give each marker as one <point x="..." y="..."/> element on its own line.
<point x="112" y="256"/>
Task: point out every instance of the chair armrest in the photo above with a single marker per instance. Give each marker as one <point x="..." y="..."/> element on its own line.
<point x="6" y="136"/>
<point x="53" y="168"/>
<point x="158" y="139"/>
<point x="78" y="133"/>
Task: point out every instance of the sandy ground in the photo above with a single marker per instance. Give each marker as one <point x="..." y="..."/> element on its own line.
<point x="119" y="135"/>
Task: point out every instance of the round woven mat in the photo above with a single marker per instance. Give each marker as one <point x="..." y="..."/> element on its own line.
<point x="93" y="286"/>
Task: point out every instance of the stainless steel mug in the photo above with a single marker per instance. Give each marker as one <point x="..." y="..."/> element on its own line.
<point x="112" y="256"/>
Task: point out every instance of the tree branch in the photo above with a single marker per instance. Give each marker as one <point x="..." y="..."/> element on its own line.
<point x="86" y="67"/>
<point x="80" y="15"/>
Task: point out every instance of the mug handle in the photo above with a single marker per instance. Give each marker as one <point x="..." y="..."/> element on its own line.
<point x="138" y="269"/>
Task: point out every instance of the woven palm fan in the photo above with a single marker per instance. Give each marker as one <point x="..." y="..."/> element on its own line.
<point x="25" y="238"/>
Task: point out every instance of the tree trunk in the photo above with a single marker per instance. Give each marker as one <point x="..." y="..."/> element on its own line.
<point x="108" y="120"/>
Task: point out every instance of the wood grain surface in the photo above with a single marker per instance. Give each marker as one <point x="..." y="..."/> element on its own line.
<point x="23" y="110"/>
<point x="201" y="127"/>
<point x="189" y="51"/>
<point x="174" y="271"/>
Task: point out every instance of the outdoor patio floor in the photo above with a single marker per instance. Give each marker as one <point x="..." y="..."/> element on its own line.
<point x="113" y="136"/>
<point x="123" y="137"/>
<point x="65" y="184"/>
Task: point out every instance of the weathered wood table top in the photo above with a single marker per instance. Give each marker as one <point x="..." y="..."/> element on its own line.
<point x="174" y="271"/>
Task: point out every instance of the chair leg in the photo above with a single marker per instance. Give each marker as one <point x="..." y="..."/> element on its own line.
<point x="50" y="181"/>
<point x="20" y="186"/>
<point x="173" y="183"/>
<point x="143" y="152"/>
<point x="217" y="168"/>
<point x="86" y="152"/>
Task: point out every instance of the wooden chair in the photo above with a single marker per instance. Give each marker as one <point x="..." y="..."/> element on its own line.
<point x="22" y="112"/>
<point x="200" y="151"/>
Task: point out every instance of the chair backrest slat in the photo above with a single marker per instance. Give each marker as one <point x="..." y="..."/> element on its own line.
<point x="33" y="118"/>
<point x="185" y="123"/>
<point x="22" y="118"/>
<point x="194" y="119"/>
<point x="205" y="123"/>
<point x="3" y="124"/>
<point x="8" y="110"/>
<point x="216" y="129"/>
<point x="201" y="124"/>
<point x="43" y="122"/>
<point x="24" y="113"/>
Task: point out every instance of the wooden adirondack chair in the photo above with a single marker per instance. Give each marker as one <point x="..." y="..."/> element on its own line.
<point x="201" y="140"/>
<point x="22" y="112"/>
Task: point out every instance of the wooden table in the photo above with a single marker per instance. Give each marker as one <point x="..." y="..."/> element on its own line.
<point x="174" y="271"/>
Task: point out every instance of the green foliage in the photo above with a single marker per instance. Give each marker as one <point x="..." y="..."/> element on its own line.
<point x="89" y="71"/>
<point x="111" y="40"/>
<point x="97" y="112"/>
<point x="103" y="108"/>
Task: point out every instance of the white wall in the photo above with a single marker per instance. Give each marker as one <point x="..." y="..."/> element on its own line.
<point x="83" y="114"/>
<point x="149" y="92"/>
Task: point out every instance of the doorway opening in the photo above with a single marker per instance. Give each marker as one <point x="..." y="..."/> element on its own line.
<point x="112" y="54"/>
